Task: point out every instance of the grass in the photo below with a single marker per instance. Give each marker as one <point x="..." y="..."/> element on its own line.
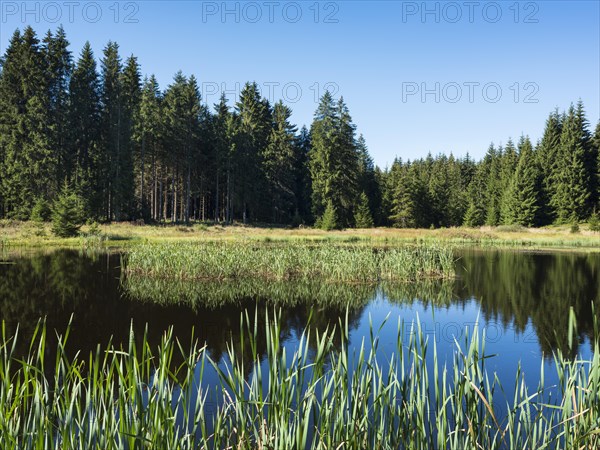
<point x="124" y="235"/>
<point x="321" y="395"/>
<point x="324" y="262"/>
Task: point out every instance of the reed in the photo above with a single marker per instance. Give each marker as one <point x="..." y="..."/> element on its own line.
<point x="322" y="395"/>
<point x="220" y="261"/>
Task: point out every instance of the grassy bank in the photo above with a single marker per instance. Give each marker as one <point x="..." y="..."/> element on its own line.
<point x="323" y="395"/>
<point x="324" y="262"/>
<point x="124" y="235"/>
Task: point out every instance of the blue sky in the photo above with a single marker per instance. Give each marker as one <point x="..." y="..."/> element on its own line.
<point x="417" y="77"/>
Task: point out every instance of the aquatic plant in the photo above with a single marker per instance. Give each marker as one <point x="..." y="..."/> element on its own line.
<point x="319" y="396"/>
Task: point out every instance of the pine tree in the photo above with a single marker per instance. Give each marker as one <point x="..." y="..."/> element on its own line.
<point x="67" y="213"/>
<point x="29" y="166"/>
<point x="403" y="214"/>
<point x="303" y="186"/>
<point x="111" y="131"/>
<point x="362" y="213"/>
<point x="329" y="220"/>
<point x="572" y="189"/>
<point x="493" y="186"/>
<point x="547" y="156"/>
<point x="84" y="168"/>
<point x="148" y="157"/>
<point x="523" y="192"/>
<point x="508" y="166"/>
<point x="334" y="159"/>
<point x="278" y="164"/>
<point x="255" y="122"/>
<point x="368" y="179"/>
<point x="130" y="122"/>
<point x="59" y="66"/>
<point x="475" y="214"/>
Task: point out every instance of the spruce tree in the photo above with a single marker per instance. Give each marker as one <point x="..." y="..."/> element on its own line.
<point x="67" y="213"/>
<point x="129" y="128"/>
<point x="303" y="186"/>
<point x="547" y="156"/>
<point x="111" y="131"/>
<point x="334" y="162"/>
<point x="523" y="192"/>
<point x="329" y="220"/>
<point x="148" y="157"/>
<point x="278" y="165"/>
<point x="572" y="189"/>
<point x="29" y="165"/>
<point x="84" y="152"/>
<point x="475" y="214"/>
<point x="59" y="66"/>
<point x="362" y="213"/>
<point x="403" y="214"/>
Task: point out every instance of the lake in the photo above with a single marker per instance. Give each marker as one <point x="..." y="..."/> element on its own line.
<point x="521" y="300"/>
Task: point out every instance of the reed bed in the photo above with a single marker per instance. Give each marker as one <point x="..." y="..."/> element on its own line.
<point x="218" y="261"/>
<point x="321" y="395"/>
<point x="214" y="294"/>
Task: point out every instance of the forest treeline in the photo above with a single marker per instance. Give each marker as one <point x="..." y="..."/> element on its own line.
<point x="129" y="150"/>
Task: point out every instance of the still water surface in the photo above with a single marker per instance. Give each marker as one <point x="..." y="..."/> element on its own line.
<point x="521" y="300"/>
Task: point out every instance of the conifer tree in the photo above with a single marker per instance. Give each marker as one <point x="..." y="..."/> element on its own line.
<point x="523" y="192"/>
<point x="547" y="156"/>
<point x="303" y="186"/>
<point x="329" y="220"/>
<point x="493" y="186"/>
<point x="84" y="150"/>
<point x="29" y="165"/>
<point x="59" y="66"/>
<point x="67" y="213"/>
<point x="475" y="214"/>
<point x="148" y="157"/>
<point x="572" y="189"/>
<point x="334" y="159"/>
<point x="111" y="131"/>
<point x="362" y="213"/>
<point x="278" y="164"/>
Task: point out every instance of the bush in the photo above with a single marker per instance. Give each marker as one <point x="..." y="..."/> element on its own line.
<point x="575" y="228"/>
<point x="67" y="214"/>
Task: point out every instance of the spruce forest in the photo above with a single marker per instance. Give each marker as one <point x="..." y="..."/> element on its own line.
<point x="127" y="149"/>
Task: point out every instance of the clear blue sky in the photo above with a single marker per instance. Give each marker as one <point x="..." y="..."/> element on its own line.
<point x="379" y="54"/>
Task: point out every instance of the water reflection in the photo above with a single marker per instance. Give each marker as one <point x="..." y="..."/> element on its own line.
<point x="525" y="292"/>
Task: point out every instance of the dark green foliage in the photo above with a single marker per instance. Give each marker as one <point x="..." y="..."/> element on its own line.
<point x="522" y="196"/>
<point x="594" y="221"/>
<point x="362" y="213"/>
<point x="67" y="213"/>
<point x="329" y="220"/>
<point x="130" y="151"/>
<point x="334" y="160"/>
<point x="41" y="211"/>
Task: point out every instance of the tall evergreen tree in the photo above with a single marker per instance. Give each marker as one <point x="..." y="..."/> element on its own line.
<point x="278" y="164"/>
<point x="29" y="165"/>
<point x="572" y="193"/>
<point x="110" y="166"/>
<point x="59" y="66"/>
<point x="303" y="187"/>
<point x="148" y="157"/>
<point x="523" y="192"/>
<point x="84" y="168"/>
<point x="547" y="156"/>
<point x="334" y="160"/>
